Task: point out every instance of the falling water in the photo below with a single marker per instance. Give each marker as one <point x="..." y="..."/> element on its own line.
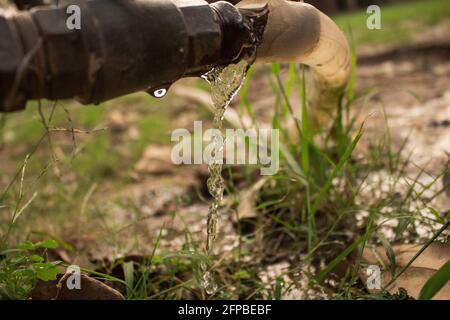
<point x="225" y="83"/>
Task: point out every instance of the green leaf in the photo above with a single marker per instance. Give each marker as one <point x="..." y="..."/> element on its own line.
<point x="26" y="245"/>
<point x="436" y="282"/>
<point x="45" y="271"/>
<point x="47" y="244"/>
<point x="36" y="258"/>
<point x="19" y="260"/>
<point x="24" y="273"/>
<point x="241" y="275"/>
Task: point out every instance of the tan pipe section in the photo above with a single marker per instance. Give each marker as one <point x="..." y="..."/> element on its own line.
<point x="298" y="32"/>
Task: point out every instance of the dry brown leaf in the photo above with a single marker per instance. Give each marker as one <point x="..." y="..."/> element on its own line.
<point x="247" y="199"/>
<point x="433" y="257"/>
<point x="412" y="280"/>
<point x="415" y="277"/>
<point x="91" y="289"/>
<point x="156" y="159"/>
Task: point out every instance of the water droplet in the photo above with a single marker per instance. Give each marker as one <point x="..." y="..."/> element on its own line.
<point x="159" y="93"/>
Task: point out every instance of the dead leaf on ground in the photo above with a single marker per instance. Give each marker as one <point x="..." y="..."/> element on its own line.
<point x="415" y="277"/>
<point x="90" y="289"/>
<point x="157" y="160"/>
<point x="247" y="200"/>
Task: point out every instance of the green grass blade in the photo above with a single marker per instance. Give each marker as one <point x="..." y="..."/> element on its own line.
<point x="322" y="274"/>
<point x="351" y="85"/>
<point x="389" y="253"/>
<point x="244" y="96"/>
<point x="436" y="282"/>
<point x="128" y="271"/>
<point x="346" y="156"/>
<point x="306" y="131"/>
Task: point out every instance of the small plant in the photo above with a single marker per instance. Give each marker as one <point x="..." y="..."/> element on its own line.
<point x="21" y="267"/>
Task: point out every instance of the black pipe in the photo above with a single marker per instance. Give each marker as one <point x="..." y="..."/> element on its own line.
<point x="123" y="46"/>
<point x="27" y="4"/>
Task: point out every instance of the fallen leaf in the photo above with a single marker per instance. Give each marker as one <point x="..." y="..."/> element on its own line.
<point x="90" y="289"/>
<point x="419" y="272"/>
<point x="247" y="199"/>
<point x="433" y="257"/>
<point x="156" y="159"/>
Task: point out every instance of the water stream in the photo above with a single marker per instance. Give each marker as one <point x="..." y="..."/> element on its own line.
<point x="225" y="83"/>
